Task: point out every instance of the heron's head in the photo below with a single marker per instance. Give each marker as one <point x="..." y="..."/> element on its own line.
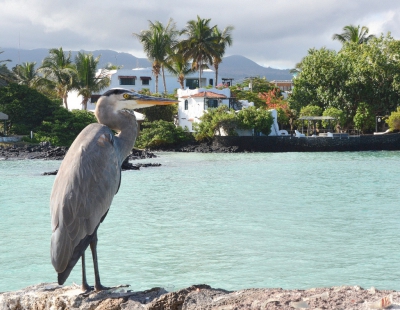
<point x="126" y="99"/>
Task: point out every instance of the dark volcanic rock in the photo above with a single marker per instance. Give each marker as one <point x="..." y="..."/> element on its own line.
<point x="44" y="151"/>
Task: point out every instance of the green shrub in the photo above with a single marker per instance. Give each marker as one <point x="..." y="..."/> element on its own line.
<point x="364" y="119"/>
<point x="337" y="114"/>
<point x="394" y="120"/>
<point x="62" y="128"/>
<point x="215" y="122"/>
<point x="25" y="107"/>
<point x="258" y="119"/>
<point x="161" y="133"/>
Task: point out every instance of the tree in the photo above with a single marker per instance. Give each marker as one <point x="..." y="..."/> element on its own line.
<point x="223" y="39"/>
<point x="179" y="66"/>
<point x="160" y="112"/>
<point x="5" y="75"/>
<point x="200" y="45"/>
<point x="88" y="80"/>
<point x="311" y="110"/>
<point x="259" y="85"/>
<point x="26" y="107"/>
<point x="157" y="41"/>
<point x="273" y="99"/>
<point x="59" y="70"/>
<point x="26" y="74"/>
<point x="354" y="34"/>
<point x="339" y="118"/>
<point x="364" y="119"/>
<point x="215" y="122"/>
<point x="343" y="80"/>
<point x="258" y="119"/>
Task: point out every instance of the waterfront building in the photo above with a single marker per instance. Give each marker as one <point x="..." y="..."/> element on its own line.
<point x="143" y="78"/>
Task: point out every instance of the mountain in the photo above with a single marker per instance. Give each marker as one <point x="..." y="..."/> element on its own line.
<point x="236" y="67"/>
<point x="37" y="55"/>
<point x="240" y="67"/>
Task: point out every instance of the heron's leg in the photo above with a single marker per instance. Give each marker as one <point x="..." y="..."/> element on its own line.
<point x="85" y="285"/>
<point x="93" y="247"/>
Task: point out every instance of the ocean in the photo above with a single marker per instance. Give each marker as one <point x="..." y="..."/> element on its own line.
<point x="233" y="221"/>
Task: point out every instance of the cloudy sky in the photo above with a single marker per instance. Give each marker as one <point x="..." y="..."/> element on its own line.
<point x="273" y="33"/>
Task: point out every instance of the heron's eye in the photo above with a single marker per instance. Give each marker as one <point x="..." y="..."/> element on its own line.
<point x="126" y="96"/>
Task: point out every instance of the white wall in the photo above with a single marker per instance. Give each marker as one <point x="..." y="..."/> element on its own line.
<point x="196" y="106"/>
<point x="74" y="101"/>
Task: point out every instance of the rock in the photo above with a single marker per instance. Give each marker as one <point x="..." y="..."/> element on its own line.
<point x="53" y="296"/>
<point x="50" y="173"/>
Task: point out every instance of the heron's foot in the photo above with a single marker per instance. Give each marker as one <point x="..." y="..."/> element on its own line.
<point x="86" y="288"/>
<point x="122" y="285"/>
<point x="99" y="287"/>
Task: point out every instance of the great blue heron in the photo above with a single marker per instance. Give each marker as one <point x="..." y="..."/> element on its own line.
<point x="88" y="179"/>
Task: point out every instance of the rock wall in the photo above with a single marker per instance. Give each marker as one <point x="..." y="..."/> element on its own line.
<point x="310" y="144"/>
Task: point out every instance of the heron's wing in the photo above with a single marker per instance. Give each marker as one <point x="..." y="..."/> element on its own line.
<point x="83" y="190"/>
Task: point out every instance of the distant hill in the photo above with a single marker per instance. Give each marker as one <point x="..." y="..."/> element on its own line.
<point x="236" y="67"/>
<point x="240" y="67"/>
<point x="37" y="55"/>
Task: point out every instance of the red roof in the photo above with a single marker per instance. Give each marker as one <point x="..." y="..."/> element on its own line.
<point x="206" y="94"/>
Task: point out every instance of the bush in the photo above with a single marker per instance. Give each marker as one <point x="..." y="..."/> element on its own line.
<point x="364" y="119"/>
<point x="25" y="107"/>
<point x="258" y="119"/>
<point x="161" y="133"/>
<point x="63" y="126"/>
<point x="336" y="113"/>
<point x="215" y="122"/>
<point x="394" y="120"/>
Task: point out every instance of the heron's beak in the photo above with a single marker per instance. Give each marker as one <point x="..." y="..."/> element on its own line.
<point x="155" y="100"/>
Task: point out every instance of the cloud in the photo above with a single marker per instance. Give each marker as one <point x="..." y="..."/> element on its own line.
<point x="272" y="33"/>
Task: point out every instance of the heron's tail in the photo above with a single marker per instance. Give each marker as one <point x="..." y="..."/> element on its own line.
<point x="78" y="251"/>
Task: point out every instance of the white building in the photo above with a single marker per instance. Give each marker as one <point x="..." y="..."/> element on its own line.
<point x="140" y="78"/>
<point x="193" y="103"/>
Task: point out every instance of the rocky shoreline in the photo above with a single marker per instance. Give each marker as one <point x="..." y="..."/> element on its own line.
<point x="47" y="152"/>
<point x="53" y="296"/>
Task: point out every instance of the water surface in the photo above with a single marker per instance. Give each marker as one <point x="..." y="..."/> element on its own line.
<point x="290" y="220"/>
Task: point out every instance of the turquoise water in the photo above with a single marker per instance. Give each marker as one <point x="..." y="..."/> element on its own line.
<point x="290" y="220"/>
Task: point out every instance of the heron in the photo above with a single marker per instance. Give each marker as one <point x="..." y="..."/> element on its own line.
<point x="89" y="177"/>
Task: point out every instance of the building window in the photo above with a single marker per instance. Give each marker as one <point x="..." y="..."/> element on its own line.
<point x="145" y="80"/>
<point x="211" y="82"/>
<point x="212" y="103"/>
<point x="186" y="104"/>
<point x="127" y="80"/>
<point x="94" y="98"/>
<point x="192" y="83"/>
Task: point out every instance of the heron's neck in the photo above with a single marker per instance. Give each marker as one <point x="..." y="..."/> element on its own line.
<point x="127" y="136"/>
<point x="125" y="124"/>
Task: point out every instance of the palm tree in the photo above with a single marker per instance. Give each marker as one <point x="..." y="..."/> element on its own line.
<point x="26" y="74"/>
<point x="5" y="74"/>
<point x="223" y="39"/>
<point x="59" y="70"/>
<point x="200" y="45"/>
<point x="157" y="42"/>
<point x="354" y="34"/>
<point x="179" y="66"/>
<point x="88" y="80"/>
